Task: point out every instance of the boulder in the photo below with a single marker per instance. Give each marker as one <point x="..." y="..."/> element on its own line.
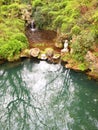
<point x="34" y="52"/>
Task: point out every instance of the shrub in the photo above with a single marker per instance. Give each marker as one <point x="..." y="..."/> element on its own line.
<point x="76" y="30"/>
<point x="82" y="44"/>
<point x="36" y="3"/>
<point x="11" y="48"/>
<point x="58" y="21"/>
<point x="20" y="37"/>
<point x="83" y="66"/>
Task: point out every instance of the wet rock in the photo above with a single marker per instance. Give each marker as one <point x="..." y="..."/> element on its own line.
<point x="34" y="52"/>
<point x="56" y="56"/>
<point x="43" y="56"/>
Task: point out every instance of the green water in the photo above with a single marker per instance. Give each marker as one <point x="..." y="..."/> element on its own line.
<point x="42" y="96"/>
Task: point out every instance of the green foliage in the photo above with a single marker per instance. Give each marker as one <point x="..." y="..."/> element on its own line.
<point x="12" y="37"/>
<point x="75" y="30"/>
<point x="67" y="17"/>
<point x="82" y="44"/>
<point x="63" y="15"/>
<point x="56" y="13"/>
<point x="11" y="48"/>
<point x="20" y="37"/>
<point x="58" y="21"/>
<point x="36" y="3"/>
<point x="82" y="66"/>
<point x="39" y="18"/>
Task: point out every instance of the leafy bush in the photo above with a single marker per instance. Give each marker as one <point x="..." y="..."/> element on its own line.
<point x="83" y="66"/>
<point x="20" y="37"/>
<point x="75" y="30"/>
<point x="11" y="48"/>
<point x="58" y="21"/>
<point x="82" y="44"/>
<point x="12" y="37"/>
<point x="36" y="3"/>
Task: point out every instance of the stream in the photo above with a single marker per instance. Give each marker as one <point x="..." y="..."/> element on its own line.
<point x="36" y="95"/>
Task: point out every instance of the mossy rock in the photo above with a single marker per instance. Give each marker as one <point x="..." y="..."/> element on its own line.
<point x="56" y="56"/>
<point x="25" y="53"/>
<point x="42" y="55"/>
<point x="49" y="52"/>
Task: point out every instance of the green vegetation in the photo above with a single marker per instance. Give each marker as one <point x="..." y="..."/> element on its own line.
<point x="78" y="19"/>
<point x="12" y="37"/>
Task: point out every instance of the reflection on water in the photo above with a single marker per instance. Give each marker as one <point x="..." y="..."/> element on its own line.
<point x="42" y="96"/>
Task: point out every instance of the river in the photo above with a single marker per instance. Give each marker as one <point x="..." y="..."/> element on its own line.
<point x="36" y="95"/>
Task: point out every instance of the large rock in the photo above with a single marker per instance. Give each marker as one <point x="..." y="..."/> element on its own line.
<point x="34" y="52"/>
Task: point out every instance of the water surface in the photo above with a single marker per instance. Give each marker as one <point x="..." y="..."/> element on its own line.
<point x="42" y="96"/>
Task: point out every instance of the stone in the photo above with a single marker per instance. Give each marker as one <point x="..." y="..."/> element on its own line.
<point x="56" y="56"/>
<point x="49" y="52"/>
<point x="43" y="57"/>
<point x="34" y="52"/>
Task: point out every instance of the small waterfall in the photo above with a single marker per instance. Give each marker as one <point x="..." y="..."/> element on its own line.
<point x="33" y="26"/>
